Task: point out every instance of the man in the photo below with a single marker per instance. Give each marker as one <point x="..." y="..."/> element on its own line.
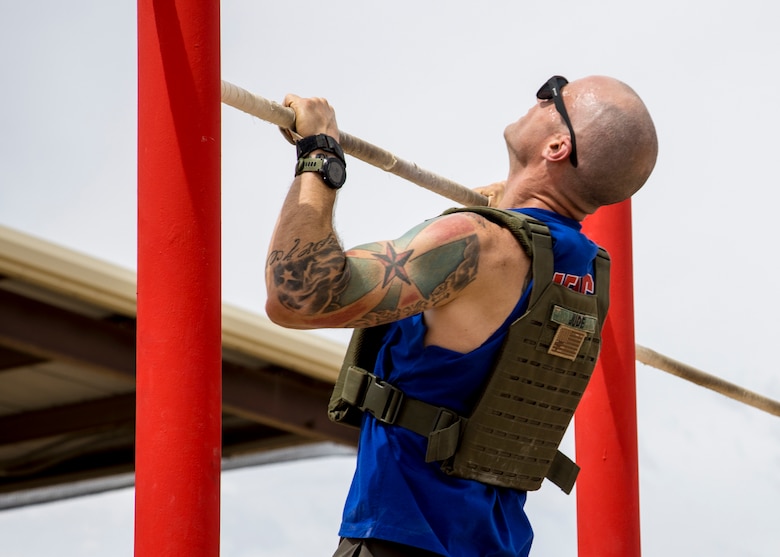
<point x="450" y="288"/>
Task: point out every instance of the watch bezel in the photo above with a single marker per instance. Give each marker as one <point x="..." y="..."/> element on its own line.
<point x="328" y="166"/>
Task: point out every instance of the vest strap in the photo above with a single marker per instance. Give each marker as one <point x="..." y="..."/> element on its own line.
<point x="442" y="427"/>
<point x="563" y="472"/>
<point x="389" y="405"/>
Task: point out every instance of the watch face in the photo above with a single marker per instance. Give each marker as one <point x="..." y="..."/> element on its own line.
<point x="337" y="173"/>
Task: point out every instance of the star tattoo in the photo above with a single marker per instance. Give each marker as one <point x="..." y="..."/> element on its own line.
<point x="394" y="265"/>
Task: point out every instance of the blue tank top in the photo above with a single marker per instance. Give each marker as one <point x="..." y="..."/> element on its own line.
<point x="395" y="495"/>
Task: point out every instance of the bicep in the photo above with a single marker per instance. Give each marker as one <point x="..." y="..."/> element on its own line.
<point x="384" y="281"/>
<point x="426" y="267"/>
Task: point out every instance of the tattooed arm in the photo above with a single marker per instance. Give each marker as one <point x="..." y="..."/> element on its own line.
<point x="315" y="283"/>
<point x="312" y="282"/>
<point x="465" y="273"/>
<point x="304" y="230"/>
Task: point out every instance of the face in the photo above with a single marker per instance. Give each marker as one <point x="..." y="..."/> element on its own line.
<point x="528" y="134"/>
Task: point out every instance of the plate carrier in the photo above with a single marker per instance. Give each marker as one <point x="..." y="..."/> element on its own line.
<point x="511" y="437"/>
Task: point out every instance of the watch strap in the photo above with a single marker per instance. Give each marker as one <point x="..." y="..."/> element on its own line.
<point x="309" y="164"/>
<point x="321" y="141"/>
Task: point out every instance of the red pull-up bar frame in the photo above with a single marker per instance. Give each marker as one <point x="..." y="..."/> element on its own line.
<point x="606" y="422"/>
<point x="179" y="358"/>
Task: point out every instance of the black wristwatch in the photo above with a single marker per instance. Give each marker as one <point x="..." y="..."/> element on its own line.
<point x="319" y="142"/>
<point x="332" y="169"/>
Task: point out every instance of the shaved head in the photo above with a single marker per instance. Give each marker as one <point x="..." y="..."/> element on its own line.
<point x="616" y="140"/>
<point x="616" y="148"/>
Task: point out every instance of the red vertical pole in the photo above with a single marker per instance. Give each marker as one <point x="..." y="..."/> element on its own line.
<point x="605" y="422"/>
<point x="178" y="424"/>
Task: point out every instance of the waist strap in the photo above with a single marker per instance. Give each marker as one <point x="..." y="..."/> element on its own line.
<point x="389" y="405"/>
<point x="441" y="426"/>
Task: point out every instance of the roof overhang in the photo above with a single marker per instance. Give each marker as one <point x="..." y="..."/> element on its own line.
<point x="67" y="377"/>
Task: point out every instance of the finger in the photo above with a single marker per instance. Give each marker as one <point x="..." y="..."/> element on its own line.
<point x="290" y="134"/>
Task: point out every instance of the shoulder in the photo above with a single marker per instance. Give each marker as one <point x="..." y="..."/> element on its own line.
<point x="496" y="229"/>
<point x="500" y="266"/>
<point x="459" y="224"/>
<point x="434" y="235"/>
<point x="497" y="249"/>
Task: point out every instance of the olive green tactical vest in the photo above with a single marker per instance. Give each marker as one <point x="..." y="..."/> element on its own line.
<point x="511" y="437"/>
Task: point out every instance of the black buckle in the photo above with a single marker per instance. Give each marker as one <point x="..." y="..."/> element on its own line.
<point x="444" y="419"/>
<point x="382" y="400"/>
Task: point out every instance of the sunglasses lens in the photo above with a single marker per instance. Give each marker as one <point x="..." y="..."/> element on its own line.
<point x="545" y="93"/>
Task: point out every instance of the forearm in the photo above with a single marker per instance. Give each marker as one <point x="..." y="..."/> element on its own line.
<point x="305" y="263"/>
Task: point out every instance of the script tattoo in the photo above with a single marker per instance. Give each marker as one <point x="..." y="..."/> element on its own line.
<point x="309" y="276"/>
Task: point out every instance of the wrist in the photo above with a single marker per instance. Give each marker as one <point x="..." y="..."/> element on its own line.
<point x="331" y="170"/>
<point x="315" y="144"/>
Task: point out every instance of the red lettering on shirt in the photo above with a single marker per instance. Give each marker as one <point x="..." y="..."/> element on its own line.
<point x="583" y="285"/>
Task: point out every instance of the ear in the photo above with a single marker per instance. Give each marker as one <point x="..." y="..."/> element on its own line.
<point x="558" y="148"/>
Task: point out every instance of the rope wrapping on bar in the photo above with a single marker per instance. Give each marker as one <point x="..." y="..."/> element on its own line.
<point x="284" y="117"/>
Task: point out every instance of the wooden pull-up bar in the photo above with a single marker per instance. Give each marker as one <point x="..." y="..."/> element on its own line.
<point x="665" y="363"/>
<point x="284" y="117"/>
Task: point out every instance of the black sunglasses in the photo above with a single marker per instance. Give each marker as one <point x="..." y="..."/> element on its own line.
<point x="552" y="90"/>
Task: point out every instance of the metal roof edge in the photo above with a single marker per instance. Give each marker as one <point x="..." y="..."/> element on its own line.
<point x="89" y="279"/>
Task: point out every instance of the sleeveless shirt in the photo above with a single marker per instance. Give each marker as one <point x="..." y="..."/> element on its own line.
<point x="395" y="495"/>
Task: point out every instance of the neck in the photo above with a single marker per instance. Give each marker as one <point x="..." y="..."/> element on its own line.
<point x="540" y="194"/>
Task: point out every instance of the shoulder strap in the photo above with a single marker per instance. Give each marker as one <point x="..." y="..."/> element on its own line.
<point x="601" y="266"/>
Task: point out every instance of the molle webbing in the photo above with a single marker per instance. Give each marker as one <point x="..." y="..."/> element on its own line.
<point x="512" y="436"/>
<point x="515" y="429"/>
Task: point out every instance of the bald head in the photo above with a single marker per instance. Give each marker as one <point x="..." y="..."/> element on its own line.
<point x="616" y="140"/>
<point x="616" y="147"/>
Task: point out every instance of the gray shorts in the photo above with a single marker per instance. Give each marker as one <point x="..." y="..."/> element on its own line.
<point x="351" y="547"/>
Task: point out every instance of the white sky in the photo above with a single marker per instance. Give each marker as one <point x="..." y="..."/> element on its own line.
<point x="436" y="83"/>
